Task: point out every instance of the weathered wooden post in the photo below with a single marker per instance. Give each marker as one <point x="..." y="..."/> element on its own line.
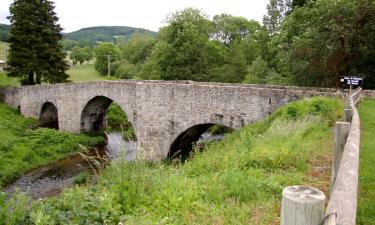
<point x="341" y="134"/>
<point x="302" y="205"/>
<point x="348" y="115"/>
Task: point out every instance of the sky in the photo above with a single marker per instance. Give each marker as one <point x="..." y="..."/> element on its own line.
<point x="148" y="14"/>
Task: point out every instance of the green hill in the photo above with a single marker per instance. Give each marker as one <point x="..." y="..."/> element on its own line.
<point x="92" y="35"/>
<point x="4" y="32"/>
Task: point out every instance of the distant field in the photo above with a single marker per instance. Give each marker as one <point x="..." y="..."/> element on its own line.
<point x="85" y="73"/>
<point x="82" y="73"/>
<point x="3" y="47"/>
<point x="6" y="81"/>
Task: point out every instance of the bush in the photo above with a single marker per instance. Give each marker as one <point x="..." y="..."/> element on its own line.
<point x="118" y="121"/>
<point x="82" y="178"/>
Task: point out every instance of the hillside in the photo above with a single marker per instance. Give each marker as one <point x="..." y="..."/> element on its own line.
<point x="90" y="35"/>
<point x="4" y="32"/>
<point x="104" y="33"/>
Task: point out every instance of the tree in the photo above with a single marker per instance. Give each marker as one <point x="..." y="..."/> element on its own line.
<point x="36" y="54"/>
<point x="103" y="50"/>
<point x="138" y="48"/>
<point x="87" y="53"/>
<point x="181" y="53"/>
<point x="276" y="11"/>
<point x="228" y="28"/>
<point x="327" y="39"/>
<point x="76" y="55"/>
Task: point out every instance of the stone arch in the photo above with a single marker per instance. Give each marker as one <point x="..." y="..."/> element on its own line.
<point x="94" y="114"/>
<point x="183" y="144"/>
<point x="48" y="116"/>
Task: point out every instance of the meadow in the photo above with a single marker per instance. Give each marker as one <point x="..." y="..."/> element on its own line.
<point x="3" y="50"/>
<point x="86" y="73"/>
<point x="78" y="73"/>
<point x="236" y="181"/>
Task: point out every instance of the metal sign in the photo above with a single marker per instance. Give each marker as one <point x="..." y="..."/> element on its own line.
<point x="351" y="80"/>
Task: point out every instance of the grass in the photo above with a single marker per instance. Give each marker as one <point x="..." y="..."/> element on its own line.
<point x="85" y="73"/>
<point x="23" y="148"/>
<point x="366" y="201"/>
<point x="236" y="181"/>
<point x="3" y="49"/>
<point x="6" y="81"/>
<point x="80" y="73"/>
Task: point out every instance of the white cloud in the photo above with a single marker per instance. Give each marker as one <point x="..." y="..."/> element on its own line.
<point x="76" y="14"/>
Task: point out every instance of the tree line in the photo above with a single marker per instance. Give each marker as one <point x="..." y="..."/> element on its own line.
<point x="301" y="42"/>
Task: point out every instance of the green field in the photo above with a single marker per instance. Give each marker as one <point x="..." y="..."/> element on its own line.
<point x="6" y="81"/>
<point x="81" y="73"/>
<point x="3" y="50"/>
<point x="86" y="73"/>
<point x="236" y="181"/>
<point x="366" y="201"/>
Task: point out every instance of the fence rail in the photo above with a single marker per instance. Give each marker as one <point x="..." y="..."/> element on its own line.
<point x="342" y="204"/>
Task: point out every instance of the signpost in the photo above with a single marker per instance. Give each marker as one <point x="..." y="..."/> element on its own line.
<point x="351" y="81"/>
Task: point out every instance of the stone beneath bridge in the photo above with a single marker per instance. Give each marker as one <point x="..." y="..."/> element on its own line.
<point x="160" y="111"/>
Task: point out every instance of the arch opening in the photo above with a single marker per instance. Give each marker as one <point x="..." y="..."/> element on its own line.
<point x="103" y="114"/>
<point x="49" y="116"/>
<point x="195" y="138"/>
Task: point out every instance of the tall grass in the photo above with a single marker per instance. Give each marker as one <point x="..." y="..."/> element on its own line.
<point x="236" y="181"/>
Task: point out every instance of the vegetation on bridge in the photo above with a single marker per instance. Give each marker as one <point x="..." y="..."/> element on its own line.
<point x="24" y="147"/>
<point x="236" y="181"/>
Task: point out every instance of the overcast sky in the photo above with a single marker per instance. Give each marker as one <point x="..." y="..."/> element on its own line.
<point x="149" y="14"/>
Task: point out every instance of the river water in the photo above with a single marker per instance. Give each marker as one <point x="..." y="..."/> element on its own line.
<point x="50" y="180"/>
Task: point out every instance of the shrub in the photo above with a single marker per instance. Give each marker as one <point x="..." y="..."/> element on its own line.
<point x="82" y="178"/>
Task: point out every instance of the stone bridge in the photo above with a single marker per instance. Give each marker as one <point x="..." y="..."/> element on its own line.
<point x="166" y="115"/>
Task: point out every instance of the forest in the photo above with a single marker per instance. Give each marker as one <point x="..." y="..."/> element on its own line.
<point x="304" y="43"/>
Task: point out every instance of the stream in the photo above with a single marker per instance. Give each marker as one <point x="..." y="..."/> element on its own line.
<point x="51" y="180"/>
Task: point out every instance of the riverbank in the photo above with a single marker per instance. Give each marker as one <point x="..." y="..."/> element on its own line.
<point x="366" y="200"/>
<point x="236" y="181"/>
<point x="24" y="147"/>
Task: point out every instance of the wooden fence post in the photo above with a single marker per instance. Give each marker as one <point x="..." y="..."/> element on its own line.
<point x="341" y="134"/>
<point x="348" y="115"/>
<point x="302" y="205"/>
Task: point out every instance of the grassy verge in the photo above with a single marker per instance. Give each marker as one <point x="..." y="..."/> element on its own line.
<point x="22" y="148"/>
<point x="236" y="181"/>
<point x="85" y="73"/>
<point x="366" y="201"/>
